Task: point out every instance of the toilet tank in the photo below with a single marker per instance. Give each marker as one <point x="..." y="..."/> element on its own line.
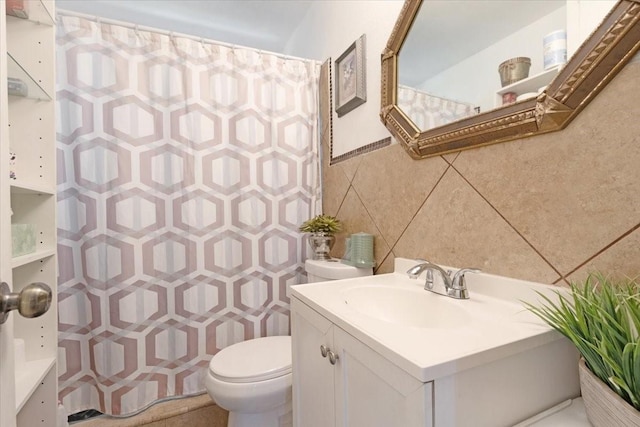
<point x="333" y="269"/>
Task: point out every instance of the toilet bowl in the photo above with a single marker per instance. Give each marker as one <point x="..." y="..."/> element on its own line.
<point x="252" y="380"/>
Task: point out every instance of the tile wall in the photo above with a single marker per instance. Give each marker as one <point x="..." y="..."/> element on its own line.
<point x="548" y="208"/>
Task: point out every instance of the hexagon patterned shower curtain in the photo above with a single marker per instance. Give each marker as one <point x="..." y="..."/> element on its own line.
<point x="185" y="169"/>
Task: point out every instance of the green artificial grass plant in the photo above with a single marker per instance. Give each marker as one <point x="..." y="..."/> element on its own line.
<point x="321" y="224"/>
<point x="602" y="319"/>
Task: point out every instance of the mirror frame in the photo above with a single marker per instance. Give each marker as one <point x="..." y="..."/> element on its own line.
<point x="591" y="67"/>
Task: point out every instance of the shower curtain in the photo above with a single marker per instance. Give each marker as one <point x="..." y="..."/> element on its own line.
<point x="429" y="111"/>
<point x="184" y="170"/>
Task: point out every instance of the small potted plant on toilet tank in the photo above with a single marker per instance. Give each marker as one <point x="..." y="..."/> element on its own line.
<point x="321" y="229"/>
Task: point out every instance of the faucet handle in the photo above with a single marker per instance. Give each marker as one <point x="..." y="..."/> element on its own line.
<point x="459" y="280"/>
<point x="417" y="269"/>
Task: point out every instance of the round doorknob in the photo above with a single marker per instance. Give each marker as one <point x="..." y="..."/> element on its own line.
<point x="32" y="301"/>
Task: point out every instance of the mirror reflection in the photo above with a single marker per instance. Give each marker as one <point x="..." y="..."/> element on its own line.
<point x="604" y="35"/>
<point x="448" y="65"/>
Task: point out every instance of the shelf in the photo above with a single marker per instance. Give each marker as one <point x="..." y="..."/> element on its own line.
<point x="36" y="256"/>
<point x="32" y="189"/>
<point x="531" y="84"/>
<point x="28" y="130"/>
<point x="38" y="13"/>
<point x="28" y="377"/>
<point x="34" y="90"/>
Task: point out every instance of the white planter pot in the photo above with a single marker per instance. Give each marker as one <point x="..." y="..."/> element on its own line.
<point x="604" y="407"/>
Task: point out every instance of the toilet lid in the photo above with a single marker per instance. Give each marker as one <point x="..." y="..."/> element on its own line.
<point x="253" y="360"/>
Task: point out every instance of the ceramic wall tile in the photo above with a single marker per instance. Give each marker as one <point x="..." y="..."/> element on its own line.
<point x="391" y="205"/>
<point x="620" y="260"/>
<point x="325" y="146"/>
<point x="356" y="219"/>
<point x="569" y="193"/>
<point x="350" y="166"/>
<point x="387" y="264"/>
<point x="450" y="158"/>
<point x="457" y="227"/>
<point x="335" y="187"/>
<point x="531" y="209"/>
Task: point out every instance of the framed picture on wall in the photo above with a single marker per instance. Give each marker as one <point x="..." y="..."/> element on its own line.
<point x="350" y="83"/>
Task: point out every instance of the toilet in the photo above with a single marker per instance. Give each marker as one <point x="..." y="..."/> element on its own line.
<point x="332" y="269"/>
<point x="252" y="379"/>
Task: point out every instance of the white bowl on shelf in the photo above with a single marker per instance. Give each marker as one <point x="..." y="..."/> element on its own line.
<point x="526" y="95"/>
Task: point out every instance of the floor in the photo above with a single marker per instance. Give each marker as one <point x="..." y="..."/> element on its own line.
<point x="198" y="411"/>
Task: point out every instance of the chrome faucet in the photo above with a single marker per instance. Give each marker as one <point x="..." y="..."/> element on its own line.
<point x="454" y="288"/>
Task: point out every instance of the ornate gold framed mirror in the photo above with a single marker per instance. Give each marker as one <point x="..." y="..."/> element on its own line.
<point x="600" y="57"/>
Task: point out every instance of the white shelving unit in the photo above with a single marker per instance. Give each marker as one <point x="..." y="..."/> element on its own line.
<point x="581" y="19"/>
<point x="529" y="85"/>
<point x="29" y="378"/>
<point x="28" y="131"/>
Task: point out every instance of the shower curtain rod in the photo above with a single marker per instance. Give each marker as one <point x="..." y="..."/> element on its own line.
<point x="137" y="27"/>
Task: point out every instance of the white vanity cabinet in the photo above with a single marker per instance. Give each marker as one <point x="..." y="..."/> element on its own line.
<point x="407" y="357"/>
<point x="362" y="388"/>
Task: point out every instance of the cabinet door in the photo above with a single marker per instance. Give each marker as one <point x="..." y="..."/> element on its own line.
<point x="371" y="391"/>
<point x="313" y="375"/>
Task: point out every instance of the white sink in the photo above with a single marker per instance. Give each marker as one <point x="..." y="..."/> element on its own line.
<point x="409" y="307"/>
<point x="431" y="335"/>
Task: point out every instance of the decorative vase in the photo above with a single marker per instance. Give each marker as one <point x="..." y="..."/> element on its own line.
<point x="603" y="406"/>
<point x="321" y="244"/>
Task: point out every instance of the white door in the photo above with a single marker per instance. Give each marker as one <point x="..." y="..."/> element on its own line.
<point x="7" y="375"/>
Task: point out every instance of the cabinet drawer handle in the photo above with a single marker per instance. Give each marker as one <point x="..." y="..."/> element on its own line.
<point x="32" y="301"/>
<point x="333" y="358"/>
<point x="324" y="350"/>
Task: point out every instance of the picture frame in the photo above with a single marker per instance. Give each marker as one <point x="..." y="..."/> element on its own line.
<point x="350" y="80"/>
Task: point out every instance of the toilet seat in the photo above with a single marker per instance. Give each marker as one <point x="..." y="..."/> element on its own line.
<point x="253" y="360"/>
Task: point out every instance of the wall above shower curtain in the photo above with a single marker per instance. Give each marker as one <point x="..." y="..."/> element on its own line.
<point x="185" y="168"/>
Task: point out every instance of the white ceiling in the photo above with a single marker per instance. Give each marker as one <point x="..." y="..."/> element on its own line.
<point x="270" y="24"/>
<point x="261" y="24"/>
